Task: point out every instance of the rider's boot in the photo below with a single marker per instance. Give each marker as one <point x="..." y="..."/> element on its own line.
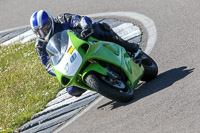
<point x="110" y="35"/>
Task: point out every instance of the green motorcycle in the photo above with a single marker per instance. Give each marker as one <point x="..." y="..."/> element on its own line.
<point x="100" y="66"/>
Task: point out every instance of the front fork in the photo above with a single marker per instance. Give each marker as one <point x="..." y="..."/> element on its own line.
<point x="138" y="57"/>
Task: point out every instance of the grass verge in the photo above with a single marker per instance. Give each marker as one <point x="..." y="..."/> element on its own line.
<point x="25" y="86"/>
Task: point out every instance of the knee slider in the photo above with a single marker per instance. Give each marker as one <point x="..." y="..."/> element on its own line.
<point x="75" y="91"/>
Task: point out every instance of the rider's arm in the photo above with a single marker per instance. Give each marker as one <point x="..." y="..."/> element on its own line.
<point x="82" y="22"/>
<point x="74" y="21"/>
<point x="40" y="48"/>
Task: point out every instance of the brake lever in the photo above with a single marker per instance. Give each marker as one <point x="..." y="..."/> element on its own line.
<point x="137" y="53"/>
<point x="88" y="35"/>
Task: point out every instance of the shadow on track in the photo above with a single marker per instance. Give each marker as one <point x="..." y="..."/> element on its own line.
<point x="162" y="81"/>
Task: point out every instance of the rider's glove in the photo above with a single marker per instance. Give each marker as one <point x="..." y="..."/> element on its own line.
<point x="86" y="33"/>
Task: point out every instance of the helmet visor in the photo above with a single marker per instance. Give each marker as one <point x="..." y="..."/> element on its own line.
<point x="44" y="31"/>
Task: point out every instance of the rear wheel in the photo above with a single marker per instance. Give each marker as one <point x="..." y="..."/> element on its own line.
<point x="116" y="90"/>
<point x="150" y="67"/>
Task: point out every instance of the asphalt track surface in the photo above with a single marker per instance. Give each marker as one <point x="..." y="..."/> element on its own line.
<point x="171" y="102"/>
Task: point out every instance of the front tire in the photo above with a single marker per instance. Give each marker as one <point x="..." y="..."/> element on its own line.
<point x="106" y="90"/>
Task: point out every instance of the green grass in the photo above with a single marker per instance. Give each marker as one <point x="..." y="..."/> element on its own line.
<point x="25" y="86"/>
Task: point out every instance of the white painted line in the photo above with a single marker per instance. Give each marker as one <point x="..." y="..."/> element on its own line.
<point x="21" y="38"/>
<point x="131" y="34"/>
<point x="127" y="30"/>
<point x="13" y="29"/>
<point x="59" y="99"/>
<point x="29" y="38"/>
<point x="123" y="26"/>
<point x="152" y="36"/>
<point x="68" y="101"/>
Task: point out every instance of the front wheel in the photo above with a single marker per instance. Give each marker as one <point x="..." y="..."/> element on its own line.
<point x="150" y="67"/>
<point x="119" y="92"/>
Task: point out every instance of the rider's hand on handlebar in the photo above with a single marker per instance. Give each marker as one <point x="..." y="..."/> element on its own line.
<point x="86" y="33"/>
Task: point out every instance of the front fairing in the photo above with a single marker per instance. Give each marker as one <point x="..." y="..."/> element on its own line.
<point x="67" y="58"/>
<point x="63" y="55"/>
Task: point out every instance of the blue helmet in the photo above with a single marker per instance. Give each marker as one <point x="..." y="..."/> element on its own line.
<point x="42" y="25"/>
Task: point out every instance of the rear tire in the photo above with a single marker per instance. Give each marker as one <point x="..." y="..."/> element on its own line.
<point x="106" y="90"/>
<point x="150" y="68"/>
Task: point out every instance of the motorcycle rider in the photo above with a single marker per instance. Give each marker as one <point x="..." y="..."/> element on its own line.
<point x="44" y="26"/>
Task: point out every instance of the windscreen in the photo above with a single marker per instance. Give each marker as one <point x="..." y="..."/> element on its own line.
<point x="57" y="47"/>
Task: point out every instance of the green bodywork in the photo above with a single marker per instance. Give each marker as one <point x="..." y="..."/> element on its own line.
<point x="104" y="51"/>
